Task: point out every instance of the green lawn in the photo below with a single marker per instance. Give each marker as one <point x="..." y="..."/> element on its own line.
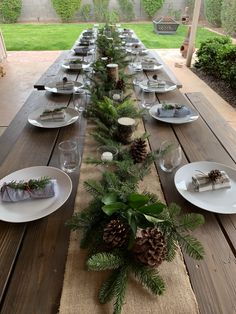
<point x="63" y="36"/>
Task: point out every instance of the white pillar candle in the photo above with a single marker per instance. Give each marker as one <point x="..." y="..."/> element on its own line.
<point x="107" y="156"/>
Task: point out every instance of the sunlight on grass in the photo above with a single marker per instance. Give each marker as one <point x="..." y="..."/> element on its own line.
<point x="63" y="36"/>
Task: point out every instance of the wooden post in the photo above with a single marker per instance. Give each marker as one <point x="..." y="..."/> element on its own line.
<point x="3" y="51"/>
<point x="193" y="32"/>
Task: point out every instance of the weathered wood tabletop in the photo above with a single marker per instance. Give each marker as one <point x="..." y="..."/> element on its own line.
<point x="33" y="254"/>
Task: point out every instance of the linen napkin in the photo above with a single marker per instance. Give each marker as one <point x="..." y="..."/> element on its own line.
<point x="203" y="182"/>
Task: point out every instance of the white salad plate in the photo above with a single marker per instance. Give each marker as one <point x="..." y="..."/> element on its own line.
<point x="168" y="87"/>
<point x="222" y="201"/>
<point x="71" y="115"/>
<point x="154" y="68"/>
<point x="30" y="210"/>
<point x="84" y="65"/>
<point x="193" y="116"/>
<point x="51" y="87"/>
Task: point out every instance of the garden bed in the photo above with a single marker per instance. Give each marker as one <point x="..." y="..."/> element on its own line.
<point x="219" y="86"/>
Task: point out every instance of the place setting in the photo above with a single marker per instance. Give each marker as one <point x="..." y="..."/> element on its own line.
<point x="64" y="86"/>
<point x="76" y="64"/>
<point x="154" y="84"/>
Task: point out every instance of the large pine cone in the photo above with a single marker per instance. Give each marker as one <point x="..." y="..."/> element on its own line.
<point x="115" y="233"/>
<point x="150" y="248"/>
<point x="139" y="150"/>
<point x="120" y="84"/>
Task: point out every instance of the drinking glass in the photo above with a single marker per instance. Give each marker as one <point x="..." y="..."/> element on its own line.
<point x="79" y="100"/>
<point x="148" y="99"/>
<point x="170" y="156"/>
<point x="69" y="157"/>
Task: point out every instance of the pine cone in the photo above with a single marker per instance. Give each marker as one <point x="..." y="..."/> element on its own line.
<point x="138" y="150"/>
<point x="150" y="248"/>
<point x="215" y="175"/>
<point x="120" y="84"/>
<point x="115" y="233"/>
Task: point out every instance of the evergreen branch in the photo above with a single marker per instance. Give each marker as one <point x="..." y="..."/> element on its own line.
<point x="191" y="245"/>
<point x="32" y="184"/>
<point x="120" y="289"/>
<point x="104" y="261"/>
<point x="171" y="246"/>
<point x="191" y="221"/>
<point x="94" y="187"/>
<point x="107" y="290"/>
<point x="149" y="277"/>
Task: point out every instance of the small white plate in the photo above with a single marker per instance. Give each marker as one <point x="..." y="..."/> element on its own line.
<point x="221" y="201"/>
<point x="30" y="210"/>
<point x="189" y="118"/>
<point x="168" y="87"/>
<point x="71" y="115"/>
<point x="67" y="65"/>
<point x="155" y="67"/>
<point x="51" y="87"/>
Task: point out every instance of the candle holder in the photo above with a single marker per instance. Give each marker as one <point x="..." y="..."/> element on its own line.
<point x="126" y="127"/>
<point x="107" y="153"/>
<point x="112" y="71"/>
<point x="116" y="95"/>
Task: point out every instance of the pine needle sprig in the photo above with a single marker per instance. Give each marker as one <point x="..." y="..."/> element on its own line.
<point x="32" y="184"/>
<point x="149" y="277"/>
<point x="94" y="187"/>
<point x="104" y="261"/>
<point x="191" y="245"/>
<point x="107" y="290"/>
<point x="120" y="288"/>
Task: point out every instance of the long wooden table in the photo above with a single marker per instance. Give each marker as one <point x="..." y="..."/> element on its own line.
<point x="33" y="254"/>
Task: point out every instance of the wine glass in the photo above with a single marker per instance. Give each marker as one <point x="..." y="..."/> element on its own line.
<point x="170" y="156"/>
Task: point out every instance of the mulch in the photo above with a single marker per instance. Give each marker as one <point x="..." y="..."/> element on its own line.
<point x="219" y="86"/>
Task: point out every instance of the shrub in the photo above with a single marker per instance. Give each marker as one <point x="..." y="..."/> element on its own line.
<point x="100" y="10"/>
<point x="126" y="10"/>
<point x="112" y="17"/>
<point x="217" y="57"/>
<point x="85" y="11"/>
<point x="213" y="12"/>
<point x="228" y="16"/>
<point x="152" y="6"/>
<point x="66" y="9"/>
<point x="10" y="10"/>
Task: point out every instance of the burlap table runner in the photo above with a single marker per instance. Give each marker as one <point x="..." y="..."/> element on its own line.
<point x="80" y="288"/>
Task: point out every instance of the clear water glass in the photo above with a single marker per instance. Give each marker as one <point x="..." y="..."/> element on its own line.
<point x="170" y="156"/>
<point x="69" y="156"/>
<point x="148" y="99"/>
<point x="79" y="100"/>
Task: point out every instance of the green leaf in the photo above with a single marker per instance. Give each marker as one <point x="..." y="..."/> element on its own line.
<point x="152" y="219"/>
<point x="132" y="221"/>
<point x="191" y="221"/>
<point x="109" y="198"/>
<point x="137" y="200"/>
<point x="103" y="261"/>
<point x="153" y="209"/>
<point x="112" y="208"/>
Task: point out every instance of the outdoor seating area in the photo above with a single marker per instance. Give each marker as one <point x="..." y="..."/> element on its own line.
<point x="117" y="188"/>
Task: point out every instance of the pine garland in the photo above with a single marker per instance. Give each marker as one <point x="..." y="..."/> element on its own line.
<point x="116" y="198"/>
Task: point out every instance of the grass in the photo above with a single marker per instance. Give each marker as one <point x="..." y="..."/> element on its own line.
<point x="62" y="36"/>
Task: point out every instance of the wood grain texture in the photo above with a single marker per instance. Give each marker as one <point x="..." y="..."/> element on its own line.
<point x="214" y="278"/>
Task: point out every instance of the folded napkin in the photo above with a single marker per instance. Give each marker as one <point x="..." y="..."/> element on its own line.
<point x="156" y="83"/>
<point x="214" y="180"/>
<point x="82" y="51"/>
<point x="9" y="193"/>
<point x="173" y="111"/>
<point x="56" y="115"/>
<point x="65" y="85"/>
<point x="148" y="63"/>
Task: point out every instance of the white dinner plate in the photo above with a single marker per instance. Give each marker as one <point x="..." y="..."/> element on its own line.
<point x="221" y="201"/>
<point x="189" y="118"/>
<point x="67" y="65"/>
<point x="30" y="210"/>
<point x="155" y="67"/>
<point x="51" y="87"/>
<point x="71" y="115"/>
<point x="168" y="87"/>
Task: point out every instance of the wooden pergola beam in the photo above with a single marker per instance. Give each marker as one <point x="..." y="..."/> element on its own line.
<point x="196" y="13"/>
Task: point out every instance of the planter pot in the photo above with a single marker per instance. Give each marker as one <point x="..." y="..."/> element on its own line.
<point x="165" y="25"/>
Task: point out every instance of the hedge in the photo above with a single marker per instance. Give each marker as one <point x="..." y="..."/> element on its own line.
<point x="10" y="10"/>
<point x="213" y="12"/>
<point x="217" y="57"/>
<point x="66" y="9"/>
<point x="228" y="16"/>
